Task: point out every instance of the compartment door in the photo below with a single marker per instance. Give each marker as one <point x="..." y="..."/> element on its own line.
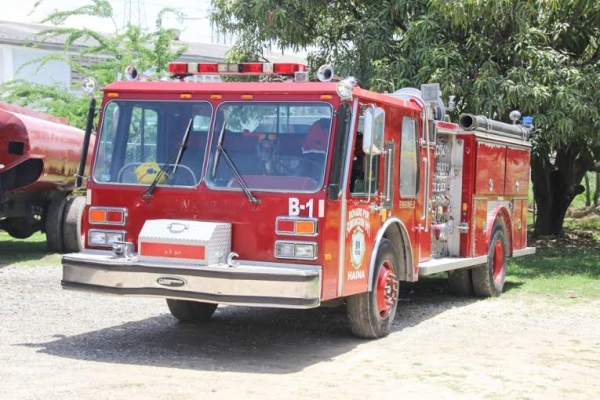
<point x="490" y="168"/>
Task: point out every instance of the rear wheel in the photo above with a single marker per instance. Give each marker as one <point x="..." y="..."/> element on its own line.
<point x="460" y="282"/>
<point x="54" y="225"/>
<point x="371" y="314"/>
<point x="489" y="279"/>
<point x="72" y="238"/>
<point x="191" y="311"/>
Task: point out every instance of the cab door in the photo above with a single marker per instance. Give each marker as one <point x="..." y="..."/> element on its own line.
<point x="363" y="201"/>
<point x="410" y="177"/>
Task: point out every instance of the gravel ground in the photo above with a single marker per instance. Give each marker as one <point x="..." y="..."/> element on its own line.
<point x="57" y="344"/>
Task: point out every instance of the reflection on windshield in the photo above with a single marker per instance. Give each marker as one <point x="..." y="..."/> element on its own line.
<point x="137" y="138"/>
<point x="274" y="146"/>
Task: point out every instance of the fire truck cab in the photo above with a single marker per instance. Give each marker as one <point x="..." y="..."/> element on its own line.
<point x="294" y="194"/>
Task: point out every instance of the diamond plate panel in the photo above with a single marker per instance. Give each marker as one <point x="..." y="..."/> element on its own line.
<point x="215" y="237"/>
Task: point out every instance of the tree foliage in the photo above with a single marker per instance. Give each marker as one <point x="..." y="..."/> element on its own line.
<point x="150" y="51"/>
<point x="541" y="57"/>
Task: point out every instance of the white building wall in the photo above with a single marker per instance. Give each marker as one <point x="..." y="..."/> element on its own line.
<point x="6" y="63"/>
<point x="49" y="74"/>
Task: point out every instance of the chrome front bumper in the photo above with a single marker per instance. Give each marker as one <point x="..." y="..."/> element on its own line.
<point x="249" y="283"/>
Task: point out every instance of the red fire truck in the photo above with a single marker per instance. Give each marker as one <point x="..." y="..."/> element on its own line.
<point x="295" y="194"/>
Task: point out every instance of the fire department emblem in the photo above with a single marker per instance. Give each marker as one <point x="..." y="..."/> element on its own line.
<point x="357" y="251"/>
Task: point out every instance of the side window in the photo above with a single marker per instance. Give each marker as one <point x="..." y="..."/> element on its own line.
<point x="365" y="167"/>
<point x="408" y="158"/>
<point x="107" y="142"/>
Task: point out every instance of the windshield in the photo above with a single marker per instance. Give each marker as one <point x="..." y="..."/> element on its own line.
<point x="274" y="146"/>
<point x="138" y="137"/>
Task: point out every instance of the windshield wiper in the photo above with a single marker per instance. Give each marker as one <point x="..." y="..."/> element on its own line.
<point x="234" y="170"/>
<point x="169" y="167"/>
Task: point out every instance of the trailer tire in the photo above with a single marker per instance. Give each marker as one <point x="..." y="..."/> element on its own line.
<point x="489" y="279"/>
<point x="191" y="311"/>
<point x="371" y="314"/>
<point x="460" y="282"/>
<point x="20" y="227"/>
<point x="72" y="237"/>
<point x="54" y="225"/>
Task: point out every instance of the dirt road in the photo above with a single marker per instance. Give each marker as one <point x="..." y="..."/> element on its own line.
<point x="57" y="344"/>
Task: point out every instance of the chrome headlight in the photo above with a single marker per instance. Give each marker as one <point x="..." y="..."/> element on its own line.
<point x="284" y="250"/>
<point x="306" y="251"/>
<point x="296" y="250"/>
<point x="102" y="238"/>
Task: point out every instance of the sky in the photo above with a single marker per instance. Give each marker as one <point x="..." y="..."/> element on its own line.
<point x="195" y="28"/>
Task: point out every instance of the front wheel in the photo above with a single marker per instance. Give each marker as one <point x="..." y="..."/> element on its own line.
<point x="191" y="311"/>
<point x="54" y="225"/>
<point x="371" y="314"/>
<point x="71" y="230"/>
<point x="489" y="279"/>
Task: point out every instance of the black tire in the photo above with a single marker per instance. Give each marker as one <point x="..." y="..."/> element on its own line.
<point x="367" y="318"/>
<point x="54" y="225"/>
<point x="488" y="280"/>
<point x="72" y="237"/>
<point x="460" y="282"/>
<point x="191" y="311"/>
<point x="20" y="227"/>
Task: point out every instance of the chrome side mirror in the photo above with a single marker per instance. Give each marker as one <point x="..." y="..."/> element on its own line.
<point x="374" y="121"/>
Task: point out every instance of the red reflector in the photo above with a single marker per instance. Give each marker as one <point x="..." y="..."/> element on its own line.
<point x="203" y="68"/>
<point x="252" y="67"/>
<point x="115" y="216"/>
<point x="178" y="68"/>
<point x="285" y="225"/>
<point x="288" y="68"/>
<point x="172" y="250"/>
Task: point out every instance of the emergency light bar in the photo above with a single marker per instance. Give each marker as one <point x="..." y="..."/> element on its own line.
<point x="235" y="68"/>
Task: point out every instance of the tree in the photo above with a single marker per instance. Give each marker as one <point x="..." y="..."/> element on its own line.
<point x="149" y="51"/>
<point x="541" y="57"/>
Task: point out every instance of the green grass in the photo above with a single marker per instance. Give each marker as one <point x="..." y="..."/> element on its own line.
<point x="30" y="251"/>
<point x="567" y="267"/>
<point x="579" y="200"/>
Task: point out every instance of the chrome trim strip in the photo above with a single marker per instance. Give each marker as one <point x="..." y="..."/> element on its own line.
<point x="255" y="301"/>
<point x="524" y="252"/>
<point x="344" y="203"/>
<point x="249" y="283"/>
<point x="491" y="138"/>
<point x="449" y="263"/>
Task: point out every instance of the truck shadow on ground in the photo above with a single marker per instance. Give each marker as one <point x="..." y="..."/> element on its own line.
<point x="243" y="339"/>
<point x="17" y="250"/>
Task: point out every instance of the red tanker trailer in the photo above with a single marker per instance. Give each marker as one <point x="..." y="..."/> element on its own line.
<point x="39" y="158"/>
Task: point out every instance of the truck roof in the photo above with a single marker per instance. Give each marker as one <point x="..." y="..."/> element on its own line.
<point x="223" y="87"/>
<point x="293" y="88"/>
